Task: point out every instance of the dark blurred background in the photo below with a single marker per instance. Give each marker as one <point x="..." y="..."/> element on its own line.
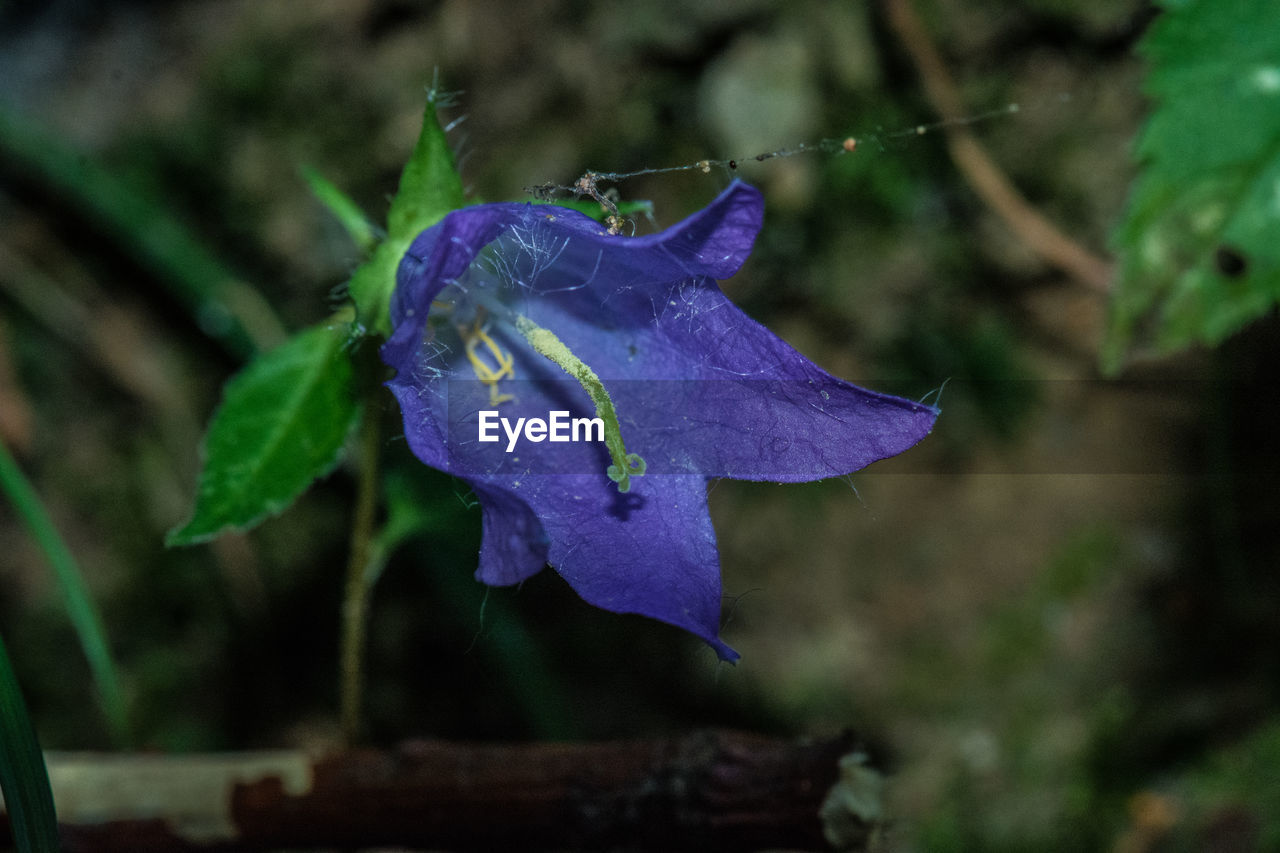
<point x="1055" y="620"/>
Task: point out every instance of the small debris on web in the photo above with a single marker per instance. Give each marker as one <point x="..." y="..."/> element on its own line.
<point x="588" y="185"/>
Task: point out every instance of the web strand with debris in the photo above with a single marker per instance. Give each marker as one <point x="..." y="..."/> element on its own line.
<point x="589" y="184"/>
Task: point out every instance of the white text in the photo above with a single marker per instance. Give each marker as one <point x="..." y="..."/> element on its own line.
<point x="557" y="427"/>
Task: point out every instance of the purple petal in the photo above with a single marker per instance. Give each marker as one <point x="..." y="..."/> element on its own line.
<point x="651" y="551"/>
<point x="700" y="389"/>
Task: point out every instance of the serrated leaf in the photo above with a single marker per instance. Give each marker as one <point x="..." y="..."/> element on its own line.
<point x="282" y="423"/>
<point x="429" y="188"/>
<point x="1200" y="244"/>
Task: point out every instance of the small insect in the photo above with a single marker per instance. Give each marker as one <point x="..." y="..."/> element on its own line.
<point x="849" y="144"/>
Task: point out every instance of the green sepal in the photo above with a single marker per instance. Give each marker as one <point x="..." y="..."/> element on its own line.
<point x="282" y="423"/>
<point x="372" y="283"/>
<point x="363" y="232"/>
<point x="1199" y="247"/>
<point x="430" y="187"/>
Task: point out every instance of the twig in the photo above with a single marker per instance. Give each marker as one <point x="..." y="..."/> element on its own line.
<point x="713" y="790"/>
<point x="987" y="179"/>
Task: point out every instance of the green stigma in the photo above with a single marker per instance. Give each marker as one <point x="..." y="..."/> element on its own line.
<point x="625" y="465"/>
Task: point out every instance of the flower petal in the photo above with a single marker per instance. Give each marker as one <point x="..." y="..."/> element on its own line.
<point x="513" y="543"/>
<point x="700" y="390"/>
<point x="651" y="551"/>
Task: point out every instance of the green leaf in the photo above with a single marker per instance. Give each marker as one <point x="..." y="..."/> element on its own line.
<point x="343" y="208"/>
<point x="23" y="777"/>
<point x="1200" y="245"/>
<point x="429" y="188"/>
<point x="282" y="423"/>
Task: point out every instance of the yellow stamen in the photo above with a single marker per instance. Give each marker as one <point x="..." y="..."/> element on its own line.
<point x="474" y="338"/>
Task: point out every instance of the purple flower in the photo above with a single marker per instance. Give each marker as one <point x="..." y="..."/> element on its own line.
<point x="588" y="385"/>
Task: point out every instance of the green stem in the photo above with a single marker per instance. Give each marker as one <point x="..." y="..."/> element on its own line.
<point x="363" y="555"/>
<point x="80" y="607"/>
<point x="23" y="777"/>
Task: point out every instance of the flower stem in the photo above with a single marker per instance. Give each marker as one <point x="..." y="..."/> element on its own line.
<point x="355" y="599"/>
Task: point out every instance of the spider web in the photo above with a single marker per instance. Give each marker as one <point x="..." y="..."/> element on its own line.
<point x="600" y="186"/>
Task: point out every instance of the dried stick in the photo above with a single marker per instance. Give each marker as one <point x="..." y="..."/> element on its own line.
<point x="713" y="790"/>
<point x="987" y="179"/>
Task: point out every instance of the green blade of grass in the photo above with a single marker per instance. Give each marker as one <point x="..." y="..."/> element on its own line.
<point x="23" y="776"/>
<point x="80" y="608"/>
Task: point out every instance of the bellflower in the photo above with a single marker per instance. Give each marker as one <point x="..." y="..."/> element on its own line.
<point x="587" y="386"/>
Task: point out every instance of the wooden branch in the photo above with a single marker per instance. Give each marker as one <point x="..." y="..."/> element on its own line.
<point x="715" y="790"/>
<point x="971" y="158"/>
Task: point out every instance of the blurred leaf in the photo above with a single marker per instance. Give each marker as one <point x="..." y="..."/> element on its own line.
<point x="990" y="390"/>
<point x="413" y="510"/>
<point x="429" y="188"/>
<point x="423" y="504"/>
<point x="1200" y="247"/>
<point x="80" y="607"/>
<point x="1239" y="780"/>
<point x="409" y="513"/>
<point x="224" y="307"/>
<point x="282" y="423"/>
<point x="23" y="777"/>
<point x="346" y="211"/>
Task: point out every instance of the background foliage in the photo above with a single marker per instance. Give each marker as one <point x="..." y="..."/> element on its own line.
<point x="1056" y="619"/>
